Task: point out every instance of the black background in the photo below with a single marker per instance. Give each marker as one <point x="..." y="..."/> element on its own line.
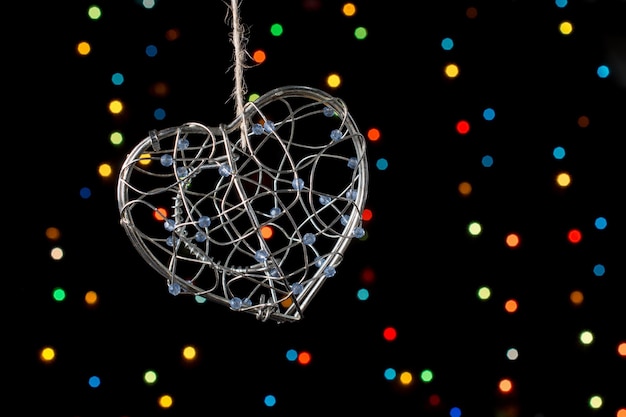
<point x="512" y="58"/>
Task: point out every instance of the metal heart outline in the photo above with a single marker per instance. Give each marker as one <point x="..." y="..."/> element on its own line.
<point x="299" y="171"/>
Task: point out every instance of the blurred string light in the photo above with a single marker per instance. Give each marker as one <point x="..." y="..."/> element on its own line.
<point x="116" y="138"/>
<point x="390" y="374"/>
<point x="94" y="381"/>
<point x="56" y="253"/>
<point x="165" y="401"/>
<point x="484" y="293"/>
<point x="563" y="179"/>
<point x="462" y="127"/>
<point x="510" y="306"/>
<point x="53" y="233"/>
<point x="566" y="28"/>
<point x="599" y="270"/>
<point x="117" y="78"/>
<point x="586" y="337"/>
<point x="474" y="228"/>
<point x="576" y="297"/>
<point x="348" y="9"/>
<point x="512" y="240"/>
<point x="512" y="354"/>
<point x="390" y="334"/>
<point x="451" y="70"/>
<point x="58" y="294"/>
<point x="94" y="12"/>
<point x="489" y="114"/>
<point x="270" y="400"/>
<point x="83" y="48"/>
<point x="505" y="385"/>
<point x="91" y="298"/>
<point x="600" y="223"/>
<point x="603" y="71"/>
<point x="47" y="354"/>
<point x="558" y="152"/>
<point x="447" y="44"/>
<point x="465" y="188"/>
<point x="574" y="236"/>
<point x="189" y="353"/>
<point x="150" y="377"/>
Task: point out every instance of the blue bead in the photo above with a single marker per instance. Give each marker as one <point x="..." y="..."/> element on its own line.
<point x="169" y="225"/>
<point x="257" y="128"/>
<point x="269" y="126"/>
<point x="351" y="194"/>
<point x="246" y="302"/>
<point x="336" y="135"/>
<point x="328" y="112"/>
<point x="329" y="271"/>
<point x="344" y="219"/>
<point x="261" y="255"/>
<point x="296" y="288"/>
<point x="204" y="221"/>
<point x="319" y="261"/>
<point x="297" y="183"/>
<point x="167" y="160"/>
<point x="274" y="272"/>
<point x="359" y="232"/>
<point x="174" y="288"/>
<point x="235" y="303"/>
<point x="324" y="199"/>
<point x="352" y="162"/>
<point x="169" y="241"/>
<point x="275" y="211"/>
<point x="308" y="239"/>
<point x="225" y="170"/>
<point x="200" y="237"/>
<point x="182" y="171"/>
<point x="183" y="144"/>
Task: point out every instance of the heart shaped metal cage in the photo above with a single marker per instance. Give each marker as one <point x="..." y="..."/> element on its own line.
<point x="259" y="223"/>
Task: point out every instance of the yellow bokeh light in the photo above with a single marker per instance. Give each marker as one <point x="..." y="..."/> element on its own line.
<point x="349" y="9"/>
<point x="116" y="106"/>
<point x="105" y="170"/>
<point x="144" y="159"/>
<point x="406" y="378"/>
<point x="333" y="80"/>
<point x="83" y="48"/>
<point x="166" y="401"/>
<point x="451" y="70"/>
<point x="566" y="28"/>
<point x="189" y="352"/>
<point x="47" y="354"/>
<point x="563" y="179"/>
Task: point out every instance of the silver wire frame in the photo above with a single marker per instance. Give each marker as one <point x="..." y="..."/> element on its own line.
<point x="300" y="171"/>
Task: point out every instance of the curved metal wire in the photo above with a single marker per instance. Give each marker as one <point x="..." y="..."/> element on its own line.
<point x="256" y="226"/>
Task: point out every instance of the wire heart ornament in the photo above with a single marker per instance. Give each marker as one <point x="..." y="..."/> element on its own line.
<point x="258" y="223"/>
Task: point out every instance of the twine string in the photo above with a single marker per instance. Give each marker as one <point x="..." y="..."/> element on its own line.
<point x="239" y="40"/>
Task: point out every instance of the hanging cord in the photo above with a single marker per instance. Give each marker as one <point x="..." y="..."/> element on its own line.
<point x="239" y="41"/>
